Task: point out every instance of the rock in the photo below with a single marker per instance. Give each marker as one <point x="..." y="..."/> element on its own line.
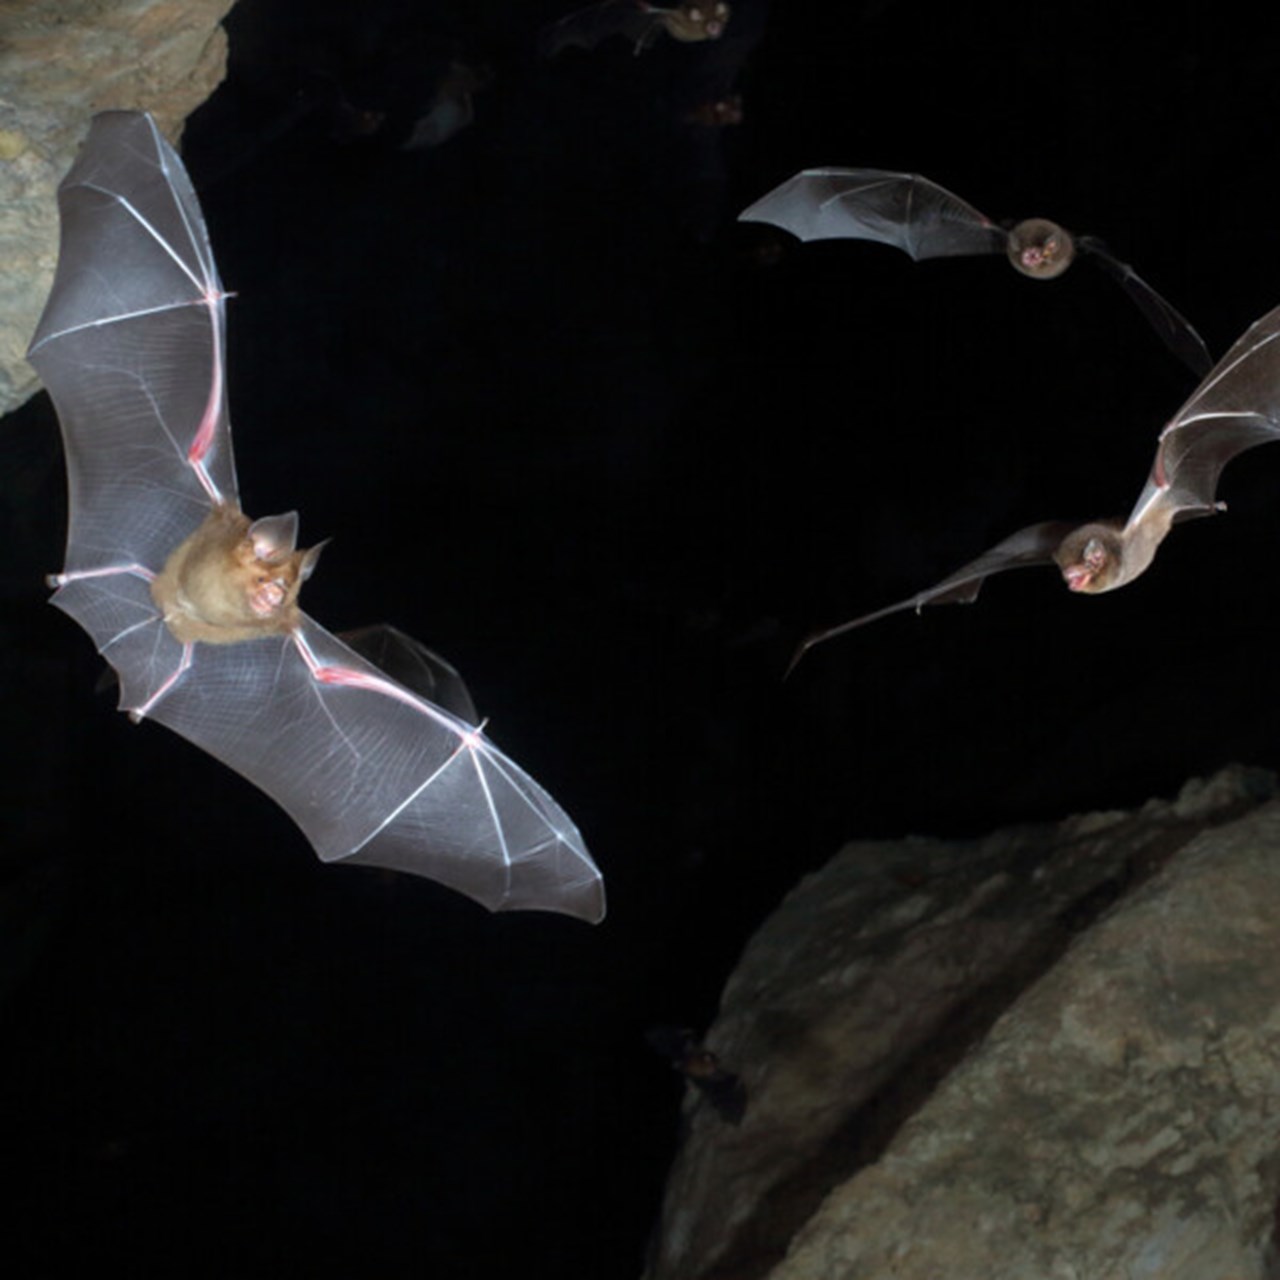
<point x="59" y="63"/>
<point x="1054" y="1051"/>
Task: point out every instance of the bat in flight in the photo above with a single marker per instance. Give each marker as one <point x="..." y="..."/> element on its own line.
<point x="1235" y="408"/>
<point x="195" y="605"/>
<point x="640" y="22"/>
<point x="927" y="221"/>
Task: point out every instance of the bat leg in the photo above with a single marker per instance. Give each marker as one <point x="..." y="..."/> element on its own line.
<point x="138" y="714"/>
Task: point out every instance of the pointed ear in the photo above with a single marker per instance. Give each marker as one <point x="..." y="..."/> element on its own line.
<point x="274" y="537"/>
<point x="311" y="558"/>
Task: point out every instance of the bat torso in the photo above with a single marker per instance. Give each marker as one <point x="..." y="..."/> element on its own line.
<point x="222" y="585"/>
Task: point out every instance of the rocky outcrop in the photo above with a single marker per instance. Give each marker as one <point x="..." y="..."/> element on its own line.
<point x="1054" y="1051"/>
<point x="59" y="63"/>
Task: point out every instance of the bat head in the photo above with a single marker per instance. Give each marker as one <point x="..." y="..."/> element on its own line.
<point x="699" y="20"/>
<point x="1040" y="249"/>
<point x="1090" y="558"/>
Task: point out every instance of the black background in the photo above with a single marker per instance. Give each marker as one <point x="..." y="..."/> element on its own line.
<point x="614" y="454"/>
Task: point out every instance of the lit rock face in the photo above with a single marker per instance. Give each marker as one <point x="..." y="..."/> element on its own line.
<point x="1053" y="1052"/>
<point x="60" y="62"/>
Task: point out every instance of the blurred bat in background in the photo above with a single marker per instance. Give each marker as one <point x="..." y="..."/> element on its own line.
<point x="927" y="221"/>
<point x="1235" y="408"/>
<point x="195" y="605"/>
<point x="640" y="22"/>
<point x="722" y="1088"/>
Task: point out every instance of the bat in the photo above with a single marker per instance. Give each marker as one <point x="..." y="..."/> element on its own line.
<point x="1235" y="408"/>
<point x="195" y="605"/>
<point x="927" y="221"/>
<point x="722" y="1088"/>
<point x="689" y="22"/>
<point x="452" y="107"/>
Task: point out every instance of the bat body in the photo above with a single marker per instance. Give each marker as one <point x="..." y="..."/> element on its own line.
<point x="690" y="23"/>
<point x="722" y="1088"/>
<point x="927" y="221"/>
<point x="1235" y="408"/>
<point x="195" y="605"/>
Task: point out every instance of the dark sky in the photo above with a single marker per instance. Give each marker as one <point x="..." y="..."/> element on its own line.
<point x="613" y="455"/>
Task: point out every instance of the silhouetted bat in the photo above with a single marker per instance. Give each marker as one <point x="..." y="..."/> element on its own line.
<point x="1235" y="408"/>
<point x="195" y="605"/>
<point x="640" y="22"/>
<point x="723" y="1089"/>
<point x="452" y="107"/>
<point x="927" y="221"/>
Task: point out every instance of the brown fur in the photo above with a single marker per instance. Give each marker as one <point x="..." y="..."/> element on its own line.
<point x="1053" y="245"/>
<point x="698" y="20"/>
<point x="208" y="584"/>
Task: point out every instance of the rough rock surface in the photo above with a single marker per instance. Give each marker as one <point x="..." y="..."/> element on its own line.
<point x="1054" y="1051"/>
<point x="59" y="63"/>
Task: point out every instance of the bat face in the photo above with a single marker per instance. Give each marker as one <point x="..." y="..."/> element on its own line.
<point x="1091" y="558"/>
<point x="195" y="605"/>
<point x="234" y="580"/>
<point x="1040" y="249"/>
<point x="700" y="20"/>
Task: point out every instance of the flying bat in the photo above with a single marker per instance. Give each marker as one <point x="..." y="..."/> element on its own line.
<point x="722" y="1088"/>
<point x="195" y="605"/>
<point x="690" y="23"/>
<point x="1235" y="408"/>
<point x="927" y="221"/>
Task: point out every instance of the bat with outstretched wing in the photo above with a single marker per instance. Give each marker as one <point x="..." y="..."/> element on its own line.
<point x="925" y="220"/>
<point x="1235" y="408"/>
<point x="195" y="605"/>
<point x="640" y="22"/>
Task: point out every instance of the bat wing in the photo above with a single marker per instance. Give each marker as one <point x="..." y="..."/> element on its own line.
<point x="373" y="773"/>
<point x="130" y="346"/>
<point x="587" y="27"/>
<point x="412" y="664"/>
<point x="1033" y="545"/>
<point x="1175" y="330"/>
<point x="1235" y="408"/>
<point x="900" y="209"/>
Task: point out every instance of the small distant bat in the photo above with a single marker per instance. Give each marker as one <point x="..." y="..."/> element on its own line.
<point x="723" y="1089"/>
<point x="927" y="221"/>
<point x="638" y="21"/>
<point x="452" y="106"/>
<point x="1235" y="408"/>
<point x="717" y="113"/>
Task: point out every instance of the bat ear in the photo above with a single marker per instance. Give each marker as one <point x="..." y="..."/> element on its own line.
<point x="311" y="558"/>
<point x="274" y="537"/>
